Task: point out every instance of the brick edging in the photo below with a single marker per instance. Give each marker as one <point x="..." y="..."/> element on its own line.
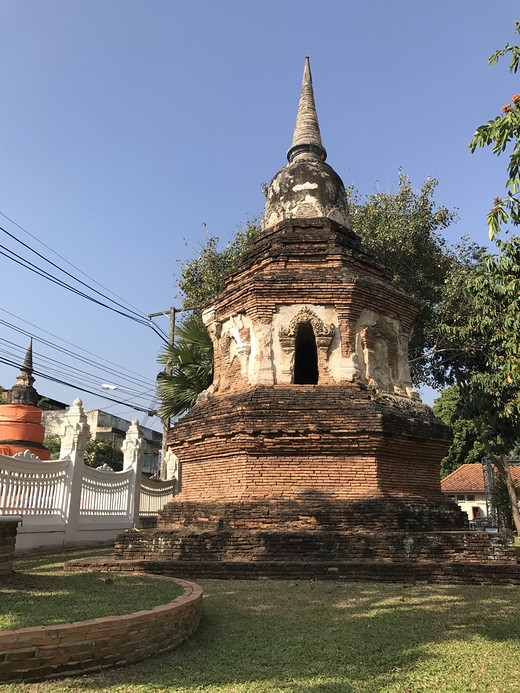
<point x="45" y="652"/>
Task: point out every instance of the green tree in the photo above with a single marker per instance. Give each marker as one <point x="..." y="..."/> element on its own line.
<point x="203" y="276"/>
<point x="404" y="232"/>
<point x="503" y="133"/>
<point x="100" y="451"/>
<point x="481" y="327"/>
<point x="502" y="503"/>
<point x="53" y="443"/>
<point x="189" y="368"/>
<point x="466" y="446"/>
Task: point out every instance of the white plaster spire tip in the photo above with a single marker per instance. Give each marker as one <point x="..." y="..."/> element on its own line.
<point x="307" y="137"/>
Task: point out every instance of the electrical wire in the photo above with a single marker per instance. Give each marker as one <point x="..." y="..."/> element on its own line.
<point x="41" y="374"/>
<point x="23" y="262"/>
<point x="68" y="261"/>
<point x="68" y="274"/>
<point x="132" y="377"/>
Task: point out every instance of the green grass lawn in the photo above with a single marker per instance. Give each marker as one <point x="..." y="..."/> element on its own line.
<point x="39" y="593"/>
<point x="332" y="637"/>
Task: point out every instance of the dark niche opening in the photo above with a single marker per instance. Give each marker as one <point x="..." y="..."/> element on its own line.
<point x="305" y="356"/>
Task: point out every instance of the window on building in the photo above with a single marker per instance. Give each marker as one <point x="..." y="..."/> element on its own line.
<point x="305" y="356"/>
<point x="470" y="497"/>
<point x="461" y="498"/>
<point x="475" y="512"/>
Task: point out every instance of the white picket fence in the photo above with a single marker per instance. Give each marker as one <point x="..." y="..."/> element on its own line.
<point x="64" y="503"/>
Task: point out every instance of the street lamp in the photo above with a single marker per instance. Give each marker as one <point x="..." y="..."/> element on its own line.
<point x="108" y="386"/>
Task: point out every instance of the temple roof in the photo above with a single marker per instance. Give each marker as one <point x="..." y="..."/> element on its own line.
<point x="469" y="478"/>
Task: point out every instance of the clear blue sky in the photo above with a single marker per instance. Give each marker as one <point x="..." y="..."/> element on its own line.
<point x="131" y="129"/>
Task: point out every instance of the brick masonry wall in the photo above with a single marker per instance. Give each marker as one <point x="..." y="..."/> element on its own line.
<point x="285" y="441"/>
<point x="8" y="529"/>
<point x="441" y="572"/>
<point x="246" y="545"/>
<point x="313" y="512"/>
<point x="35" y="654"/>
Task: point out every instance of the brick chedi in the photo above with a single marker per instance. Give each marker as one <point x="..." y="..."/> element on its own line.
<point x="20" y="419"/>
<point x="311" y="447"/>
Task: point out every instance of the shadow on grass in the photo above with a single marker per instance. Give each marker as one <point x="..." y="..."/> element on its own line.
<point x="332" y="637"/>
<point x="45" y="595"/>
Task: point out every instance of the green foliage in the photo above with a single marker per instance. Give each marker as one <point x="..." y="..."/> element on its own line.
<point x="53" y="443"/>
<point x="486" y="339"/>
<point x="501" y="502"/>
<point x="189" y="368"/>
<point x="404" y="231"/>
<point x="102" y="451"/>
<point x="501" y="133"/>
<point x="466" y="446"/>
<point x="203" y="277"/>
<point x="481" y="330"/>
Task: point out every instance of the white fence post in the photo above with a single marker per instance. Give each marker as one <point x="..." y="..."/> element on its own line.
<point x="133" y="451"/>
<point x="74" y="434"/>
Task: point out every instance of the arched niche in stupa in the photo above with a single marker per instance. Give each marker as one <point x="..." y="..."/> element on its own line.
<point x="305" y="356"/>
<point x="306" y="344"/>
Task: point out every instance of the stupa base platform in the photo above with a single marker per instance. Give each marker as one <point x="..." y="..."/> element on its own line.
<point x="430" y="572"/>
<point x="384" y="538"/>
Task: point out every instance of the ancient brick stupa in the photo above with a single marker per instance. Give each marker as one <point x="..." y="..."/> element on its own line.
<point x="311" y="454"/>
<point x="20" y="418"/>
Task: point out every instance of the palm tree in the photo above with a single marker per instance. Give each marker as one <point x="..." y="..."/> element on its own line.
<point x="189" y="368"/>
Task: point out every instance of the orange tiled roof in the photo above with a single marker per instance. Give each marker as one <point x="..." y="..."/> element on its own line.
<point x="469" y="478"/>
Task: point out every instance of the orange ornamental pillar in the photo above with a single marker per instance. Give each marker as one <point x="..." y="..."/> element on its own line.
<point x="20" y="419"/>
<point x="21" y="429"/>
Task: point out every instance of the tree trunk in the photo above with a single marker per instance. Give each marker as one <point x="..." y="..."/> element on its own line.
<point x="502" y="465"/>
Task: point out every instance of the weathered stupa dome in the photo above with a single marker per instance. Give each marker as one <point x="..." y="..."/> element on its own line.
<point x="307" y="187"/>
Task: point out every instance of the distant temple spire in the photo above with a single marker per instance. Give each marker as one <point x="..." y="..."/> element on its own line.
<point x="23" y="392"/>
<point x="307" y="137"/>
<point x="28" y="361"/>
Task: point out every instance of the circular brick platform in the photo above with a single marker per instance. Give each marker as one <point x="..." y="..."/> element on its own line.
<point x="67" y="649"/>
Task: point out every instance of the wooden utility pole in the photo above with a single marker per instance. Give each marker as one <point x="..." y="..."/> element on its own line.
<point x="166" y="424"/>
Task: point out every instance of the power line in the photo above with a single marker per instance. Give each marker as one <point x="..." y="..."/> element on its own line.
<point x="41" y="374"/>
<point x="23" y="262"/>
<point x="57" y="368"/>
<point x="68" y="261"/>
<point x="68" y="274"/>
<point x="133" y="375"/>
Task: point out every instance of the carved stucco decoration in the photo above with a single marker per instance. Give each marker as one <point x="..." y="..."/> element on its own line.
<point x="324" y="333"/>
<point x="232" y="338"/>
<point x="384" y="354"/>
<point x="380" y="350"/>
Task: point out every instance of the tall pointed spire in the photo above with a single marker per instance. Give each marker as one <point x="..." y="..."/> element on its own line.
<point x="28" y="361"/>
<point x="307" y="137"/>
<point x="23" y="392"/>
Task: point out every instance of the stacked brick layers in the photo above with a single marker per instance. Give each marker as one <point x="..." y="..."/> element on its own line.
<point x="327" y="480"/>
<point x="307" y="482"/>
<point x="74" y="649"/>
<point x="311" y="261"/>
<point x="8" y="529"/>
<point x="300" y="441"/>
